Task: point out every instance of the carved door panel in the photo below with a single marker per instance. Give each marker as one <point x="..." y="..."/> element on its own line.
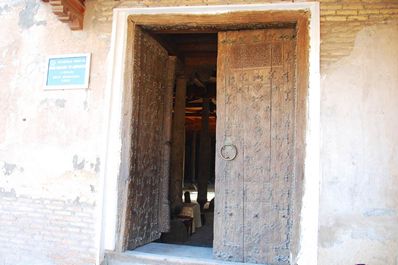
<point x="256" y="104"/>
<point x="147" y="201"/>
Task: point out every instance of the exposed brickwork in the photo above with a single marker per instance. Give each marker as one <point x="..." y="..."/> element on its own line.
<point x="43" y="231"/>
<point x="104" y="7"/>
<point x="342" y="19"/>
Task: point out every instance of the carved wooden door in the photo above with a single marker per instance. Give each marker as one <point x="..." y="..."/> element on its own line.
<point x="256" y="104"/>
<point x="147" y="202"/>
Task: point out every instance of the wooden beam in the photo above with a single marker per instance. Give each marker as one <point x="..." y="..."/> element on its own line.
<point x="164" y="209"/>
<point x="69" y="11"/>
<point x="199" y="114"/>
<point x="210" y="29"/>
<point x="197" y="47"/>
<point x="205" y="23"/>
<point x="195" y="38"/>
<point x="195" y="54"/>
<point x="194" y="124"/>
<point x="193" y="156"/>
<point x="196" y="105"/>
<point x="204" y="155"/>
<point x="178" y="144"/>
<point x="200" y="60"/>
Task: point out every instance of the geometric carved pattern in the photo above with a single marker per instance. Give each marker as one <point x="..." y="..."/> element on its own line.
<point x="69" y="11"/>
<point x="145" y="221"/>
<point x="256" y="101"/>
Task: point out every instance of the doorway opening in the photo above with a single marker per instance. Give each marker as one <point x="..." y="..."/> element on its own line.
<point x="258" y="58"/>
<point x="192" y="174"/>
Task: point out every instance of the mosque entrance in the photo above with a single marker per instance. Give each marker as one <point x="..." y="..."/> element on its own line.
<point x="219" y="104"/>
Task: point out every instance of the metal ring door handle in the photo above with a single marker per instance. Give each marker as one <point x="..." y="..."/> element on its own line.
<point x="228" y="152"/>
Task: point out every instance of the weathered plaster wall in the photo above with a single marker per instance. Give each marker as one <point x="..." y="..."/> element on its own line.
<point x="49" y="140"/>
<point x="359" y="202"/>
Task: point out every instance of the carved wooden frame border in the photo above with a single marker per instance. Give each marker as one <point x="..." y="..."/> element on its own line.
<point x="118" y="112"/>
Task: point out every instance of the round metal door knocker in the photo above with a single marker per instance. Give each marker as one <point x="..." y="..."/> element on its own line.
<point x="228" y="152"/>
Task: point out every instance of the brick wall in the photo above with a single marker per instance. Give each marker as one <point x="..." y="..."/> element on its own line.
<point x="50" y="141"/>
<point x="342" y="19"/>
<point x="104" y="7"/>
<point x="45" y="231"/>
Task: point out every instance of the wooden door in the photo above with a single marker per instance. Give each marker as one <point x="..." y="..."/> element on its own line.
<point x="152" y="98"/>
<point x="256" y="103"/>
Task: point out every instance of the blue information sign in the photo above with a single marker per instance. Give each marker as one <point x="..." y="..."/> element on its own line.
<point x="70" y="71"/>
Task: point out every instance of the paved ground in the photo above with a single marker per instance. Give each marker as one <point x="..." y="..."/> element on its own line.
<point x="176" y="250"/>
<point x="167" y="254"/>
<point x="203" y="237"/>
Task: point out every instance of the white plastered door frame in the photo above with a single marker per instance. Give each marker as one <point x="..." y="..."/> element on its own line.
<point x="115" y="164"/>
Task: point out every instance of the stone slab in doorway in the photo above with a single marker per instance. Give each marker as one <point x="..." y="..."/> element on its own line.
<point x="166" y="254"/>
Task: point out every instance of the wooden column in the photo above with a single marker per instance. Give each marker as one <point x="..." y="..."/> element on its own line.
<point x="178" y="144"/>
<point x="193" y="157"/>
<point x="164" y="210"/>
<point x="204" y="154"/>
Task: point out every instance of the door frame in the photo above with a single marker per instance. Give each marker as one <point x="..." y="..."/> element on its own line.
<point x="117" y="117"/>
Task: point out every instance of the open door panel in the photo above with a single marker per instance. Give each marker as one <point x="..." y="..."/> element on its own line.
<point x="148" y="211"/>
<point x="255" y="145"/>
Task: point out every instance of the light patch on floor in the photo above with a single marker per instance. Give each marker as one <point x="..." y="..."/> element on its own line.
<point x="167" y="254"/>
<point x="177" y="250"/>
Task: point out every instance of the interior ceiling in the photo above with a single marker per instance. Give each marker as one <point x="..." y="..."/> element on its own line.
<point x="198" y="53"/>
<point x="194" y="50"/>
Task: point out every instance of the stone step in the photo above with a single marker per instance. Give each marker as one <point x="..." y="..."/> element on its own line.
<point x="166" y="254"/>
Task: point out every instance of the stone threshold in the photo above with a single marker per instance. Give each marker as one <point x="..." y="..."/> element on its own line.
<point x="166" y="254"/>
